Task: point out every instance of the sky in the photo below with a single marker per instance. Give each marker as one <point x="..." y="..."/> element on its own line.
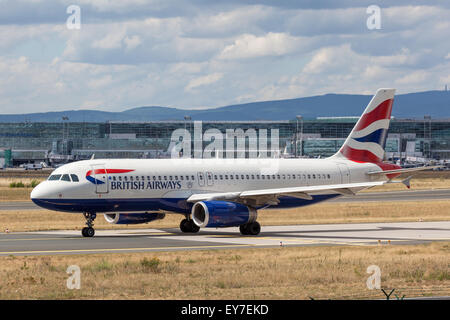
<point x="202" y="54"/>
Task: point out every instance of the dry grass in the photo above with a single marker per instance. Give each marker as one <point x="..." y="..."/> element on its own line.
<point x="277" y="273"/>
<point x="426" y="180"/>
<point x="355" y="212"/>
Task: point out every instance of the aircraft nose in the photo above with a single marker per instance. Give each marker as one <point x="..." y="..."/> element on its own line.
<point x="36" y="193"/>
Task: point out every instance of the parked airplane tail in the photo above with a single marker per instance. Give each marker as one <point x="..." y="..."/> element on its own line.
<point x="367" y="140"/>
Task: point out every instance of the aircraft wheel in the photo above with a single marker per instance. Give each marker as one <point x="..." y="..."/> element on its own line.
<point x="193" y="228"/>
<point x="183" y="225"/>
<point x="253" y="228"/>
<point x="243" y="229"/>
<point x="88" y="232"/>
<point x="188" y="226"/>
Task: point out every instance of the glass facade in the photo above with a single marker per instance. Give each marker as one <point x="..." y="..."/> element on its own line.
<point x="68" y="141"/>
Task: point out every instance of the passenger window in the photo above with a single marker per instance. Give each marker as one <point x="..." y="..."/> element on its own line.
<point x="75" y="177"/>
<point x="231" y="177"/>
<point x="131" y="178"/>
<point x="257" y="177"/>
<point x="215" y="177"/>
<point x="193" y="178"/>
<point x="247" y="177"/>
<point x="329" y="177"/>
<point x="120" y="178"/>
<point x="253" y="177"/>
<point x="181" y="177"/>
<point x="114" y="177"/>
<point x="176" y="177"/>
<point x="278" y="176"/>
<point x="187" y="177"/>
<point x="221" y="177"/>
<point x="237" y="177"/>
<point x="65" y="177"/>
<point x="262" y="176"/>
<point x="170" y="177"/>
<point x="54" y="177"/>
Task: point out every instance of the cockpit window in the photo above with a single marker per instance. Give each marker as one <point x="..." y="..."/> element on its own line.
<point x="65" y="177"/>
<point x="54" y="177"/>
<point x="74" y="177"/>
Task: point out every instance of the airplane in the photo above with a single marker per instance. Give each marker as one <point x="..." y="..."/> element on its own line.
<point x="219" y="193"/>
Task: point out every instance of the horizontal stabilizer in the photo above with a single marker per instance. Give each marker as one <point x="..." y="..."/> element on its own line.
<point x="404" y="170"/>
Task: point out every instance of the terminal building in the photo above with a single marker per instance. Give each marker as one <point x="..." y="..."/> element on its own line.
<point x="62" y="142"/>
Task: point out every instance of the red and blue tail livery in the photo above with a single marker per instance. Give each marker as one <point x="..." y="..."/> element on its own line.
<point x="367" y="140"/>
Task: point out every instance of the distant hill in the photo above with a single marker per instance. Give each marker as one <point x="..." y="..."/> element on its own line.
<point x="412" y="105"/>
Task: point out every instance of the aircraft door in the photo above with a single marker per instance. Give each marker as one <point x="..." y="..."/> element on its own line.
<point x="345" y="173"/>
<point x="209" y="179"/>
<point x="201" y="179"/>
<point x="100" y="178"/>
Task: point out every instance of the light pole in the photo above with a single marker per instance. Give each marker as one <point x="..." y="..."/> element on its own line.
<point x="299" y="117"/>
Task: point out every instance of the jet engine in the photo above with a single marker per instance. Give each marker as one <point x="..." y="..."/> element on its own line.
<point x="132" y="218"/>
<point x="219" y="214"/>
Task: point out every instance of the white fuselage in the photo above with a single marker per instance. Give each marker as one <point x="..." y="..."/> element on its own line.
<point x="140" y="185"/>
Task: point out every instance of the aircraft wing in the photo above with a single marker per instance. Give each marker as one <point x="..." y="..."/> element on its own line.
<point x="404" y="170"/>
<point x="270" y="196"/>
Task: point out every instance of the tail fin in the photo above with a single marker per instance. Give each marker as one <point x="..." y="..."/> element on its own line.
<point x="367" y="140"/>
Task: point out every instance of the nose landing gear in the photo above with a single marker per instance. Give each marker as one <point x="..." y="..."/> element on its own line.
<point x="89" y="230"/>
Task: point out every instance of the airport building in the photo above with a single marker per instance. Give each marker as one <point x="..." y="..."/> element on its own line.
<point x="69" y="141"/>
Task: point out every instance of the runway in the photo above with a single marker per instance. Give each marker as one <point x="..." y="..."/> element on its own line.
<point x="407" y="195"/>
<point x="151" y="240"/>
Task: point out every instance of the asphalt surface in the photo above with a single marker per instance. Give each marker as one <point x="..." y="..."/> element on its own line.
<point x="147" y="240"/>
<point x="409" y="195"/>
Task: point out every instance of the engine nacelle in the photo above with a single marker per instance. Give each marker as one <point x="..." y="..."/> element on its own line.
<point x="219" y="214"/>
<point x="132" y="218"/>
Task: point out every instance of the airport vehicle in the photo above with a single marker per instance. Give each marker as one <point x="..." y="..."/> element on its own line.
<point x="32" y="166"/>
<point x="222" y="192"/>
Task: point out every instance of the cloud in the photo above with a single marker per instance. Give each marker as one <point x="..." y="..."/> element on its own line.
<point x="251" y="46"/>
<point x="168" y="52"/>
<point x="203" y="81"/>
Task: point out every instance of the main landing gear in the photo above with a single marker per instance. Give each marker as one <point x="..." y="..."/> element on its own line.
<point x="89" y="230"/>
<point x="188" y="226"/>
<point x="250" y="229"/>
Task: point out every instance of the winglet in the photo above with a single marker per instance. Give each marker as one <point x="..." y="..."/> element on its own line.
<point x="407" y="182"/>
